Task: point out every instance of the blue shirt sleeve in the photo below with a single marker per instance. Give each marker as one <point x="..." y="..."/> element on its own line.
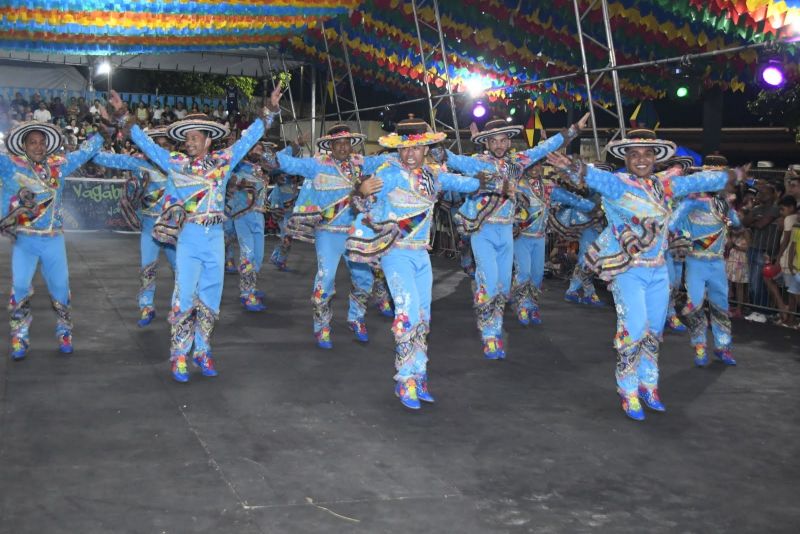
<point x="121" y="161"/>
<point x="541" y="150"/>
<point x="606" y="183"/>
<point x="86" y="152"/>
<point x="734" y="218"/>
<point x="154" y="153"/>
<point x="305" y="167"/>
<point x="680" y="213"/>
<point x="371" y="163"/>
<point x="562" y="196"/>
<point x="468" y="164"/>
<point x="698" y="183"/>
<point x="457" y="183"/>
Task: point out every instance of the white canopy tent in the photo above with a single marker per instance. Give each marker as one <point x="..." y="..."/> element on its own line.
<point x="56" y="77"/>
<point x="254" y="62"/>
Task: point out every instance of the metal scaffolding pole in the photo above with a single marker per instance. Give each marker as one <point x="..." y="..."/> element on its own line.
<point x="426" y="58"/>
<point x="607" y="44"/>
<point x="346" y="108"/>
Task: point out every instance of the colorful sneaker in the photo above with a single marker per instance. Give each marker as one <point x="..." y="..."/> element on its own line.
<point x="422" y="389"/>
<point x="632" y="407"/>
<point x="724" y="355"/>
<point x="493" y="348"/>
<point x="385" y="309"/>
<point x="206" y="364"/>
<point x="65" y="343"/>
<point x="360" y="330"/>
<point x="324" y="338"/>
<point x="536" y="318"/>
<point x="523" y="316"/>
<point x="252" y="303"/>
<point x="19" y="348"/>
<point x="594" y="300"/>
<point x="406" y="391"/>
<point x="675" y="324"/>
<point x="230" y="267"/>
<point x="651" y="399"/>
<point x="179" y="370"/>
<point x="570" y="296"/>
<point x="700" y="356"/>
<point x="148" y="314"/>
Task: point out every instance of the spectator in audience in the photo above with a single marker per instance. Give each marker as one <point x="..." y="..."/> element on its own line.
<point x="195" y="109"/>
<point x="83" y="109"/>
<point x="81" y="135"/>
<point x="42" y="113"/>
<point x="168" y="116"/>
<point x="36" y="99"/>
<point x="18" y="101"/>
<point x="206" y="110"/>
<point x="72" y="109"/>
<point x="792" y="183"/>
<point x="220" y="114"/>
<point x="180" y="111"/>
<point x="158" y="113"/>
<point x="788" y="208"/>
<point x="142" y="115"/>
<point x="95" y="109"/>
<point x="736" y="267"/>
<point x="3" y="104"/>
<point x="58" y="110"/>
<point x="759" y="219"/>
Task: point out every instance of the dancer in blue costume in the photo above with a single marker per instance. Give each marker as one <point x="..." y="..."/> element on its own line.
<point x="248" y="208"/>
<point x="282" y="199"/>
<point x="534" y="201"/>
<point x="394" y="230"/>
<point x="489" y="219"/>
<point x="32" y="182"/>
<point x="323" y="215"/>
<point x="194" y="210"/>
<point x="572" y="223"/>
<point x="630" y="252"/>
<point x="706" y="218"/>
<point x="141" y="205"/>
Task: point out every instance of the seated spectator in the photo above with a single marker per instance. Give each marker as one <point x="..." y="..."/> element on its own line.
<point x="42" y="113"/>
<point x="142" y="115"/>
<point x="83" y="109"/>
<point x="220" y="114"/>
<point x="180" y="111"/>
<point x="18" y="101"/>
<point x="72" y="109"/>
<point x="95" y="109"/>
<point x="206" y="110"/>
<point x="58" y="110"/>
<point x="195" y="109"/>
<point x="158" y="112"/>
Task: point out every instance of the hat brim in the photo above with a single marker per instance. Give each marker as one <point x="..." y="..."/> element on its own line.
<point x="52" y="135"/>
<point x="156" y="132"/>
<point x="324" y="142"/>
<point x="178" y="130"/>
<point x="509" y="131"/>
<point x="664" y="149"/>
<point x="405" y="141"/>
<point x="685" y="162"/>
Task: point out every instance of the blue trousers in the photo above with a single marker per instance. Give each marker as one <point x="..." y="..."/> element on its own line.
<point x="27" y="252"/>
<point x="330" y="249"/>
<point x="199" y="273"/>
<point x="410" y="279"/>
<point x="580" y="278"/>
<point x="493" y="249"/>
<point x="706" y="277"/>
<point x="675" y="271"/>
<point x="250" y="234"/>
<point x="641" y="295"/>
<point x="281" y="252"/>
<point x="149" y="249"/>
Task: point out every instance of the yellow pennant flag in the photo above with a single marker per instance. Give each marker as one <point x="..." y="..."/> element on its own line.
<point x="330" y="91"/>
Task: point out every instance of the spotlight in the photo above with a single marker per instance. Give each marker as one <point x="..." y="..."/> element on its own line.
<point x="771" y="74"/>
<point x="477" y="85"/>
<point x="512" y="110"/>
<point x="509" y="119"/>
<point x="103" y="68"/>
<point x="682" y="91"/>
<point x="479" y="109"/>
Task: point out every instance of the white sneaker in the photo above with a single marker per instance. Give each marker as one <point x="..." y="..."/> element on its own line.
<point x="756" y="317"/>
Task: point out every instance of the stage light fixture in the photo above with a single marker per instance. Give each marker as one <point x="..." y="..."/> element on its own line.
<point x="682" y="91"/>
<point x="771" y="74"/>
<point x="103" y="68"/>
<point x="479" y="109"/>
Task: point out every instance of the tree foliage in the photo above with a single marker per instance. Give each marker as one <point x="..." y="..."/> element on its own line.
<point x="198" y="84"/>
<point x="778" y="108"/>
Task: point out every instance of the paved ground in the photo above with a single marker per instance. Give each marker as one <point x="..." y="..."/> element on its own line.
<point x="293" y="439"/>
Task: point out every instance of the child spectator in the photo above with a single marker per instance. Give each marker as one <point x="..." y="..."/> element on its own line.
<point x="736" y="267"/>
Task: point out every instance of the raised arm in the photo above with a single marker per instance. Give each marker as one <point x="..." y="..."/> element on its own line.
<point x="87" y="150"/>
<point x="158" y="155"/>
<point x="734" y="218"/>
<point x="562" y="196"/>
<point x="526" y="158"/>
<point x="680" y="213"/>
<point x="249" y="138"/>
<point x="121" y="161"/>
<point x="305" y="167"/>
<point x="468" y="164"/>
<point x="699" y="182"/>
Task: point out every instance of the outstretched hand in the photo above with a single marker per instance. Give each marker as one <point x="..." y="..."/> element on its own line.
<point x="115" y="101"/>
<point x="558" y="160"/>
<point x="274" y="104"/>
<point x="473" y="129"/>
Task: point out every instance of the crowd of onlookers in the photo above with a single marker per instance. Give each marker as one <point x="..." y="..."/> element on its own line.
<point x="763" y="257"/>
<point x="79" y="119"/>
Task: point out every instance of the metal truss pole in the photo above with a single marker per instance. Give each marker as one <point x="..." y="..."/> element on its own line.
<point x="425" y="59"/>
<point x="608" y="46"/>
<point x="352" y="113"/>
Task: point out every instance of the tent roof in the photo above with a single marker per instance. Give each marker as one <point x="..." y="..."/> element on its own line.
<point x="249" y="62"/>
